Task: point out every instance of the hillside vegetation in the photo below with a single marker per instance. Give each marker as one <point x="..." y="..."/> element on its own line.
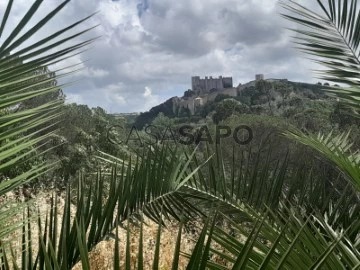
<point x="73" y="176"/>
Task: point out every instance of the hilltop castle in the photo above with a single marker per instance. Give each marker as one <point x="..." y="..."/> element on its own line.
<point x="206" y="90"/>
<point x="203" y="86"/>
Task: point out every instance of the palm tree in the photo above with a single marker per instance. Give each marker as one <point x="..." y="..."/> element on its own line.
<point x="163" y="184"/>
<point x="333" y="40"/>
<point x="23" y="133"/>
<point x="166" y="183"/>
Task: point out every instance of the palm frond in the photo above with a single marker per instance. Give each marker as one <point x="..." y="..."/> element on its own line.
<point x="282" y="240"/>
<point x="332" y="39"/>
<point x="24" y="75"/>
<point x="336" y="149"/>
<point x="147" y="186"/>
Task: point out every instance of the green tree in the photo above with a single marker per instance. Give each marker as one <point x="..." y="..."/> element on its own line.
<point x="228" y="107"/>
<point x="264" y="88"/>
<point x="283" y="89"/>
<point x="163" y="121"/>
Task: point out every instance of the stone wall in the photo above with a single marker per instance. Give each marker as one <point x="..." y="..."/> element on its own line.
<point x="203" y="86"/>
<point x="193" y="103"/>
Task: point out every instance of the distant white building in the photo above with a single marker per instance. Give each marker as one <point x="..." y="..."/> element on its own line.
<point x="198" y="102"/>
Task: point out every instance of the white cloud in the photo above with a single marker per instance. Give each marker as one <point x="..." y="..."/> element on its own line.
<point x="170" y="42"/>
<point x="74" y="98"/>
<point x="147" y="92"/>
<point x="95" y="73"/>
<point x="150" y="99"/>
<point x="119" y="99"/>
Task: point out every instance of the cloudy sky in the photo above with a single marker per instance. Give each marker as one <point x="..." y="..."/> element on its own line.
<point x="149" y="49"/>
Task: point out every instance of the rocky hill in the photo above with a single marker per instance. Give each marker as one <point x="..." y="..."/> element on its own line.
<point x="269" y="97"/>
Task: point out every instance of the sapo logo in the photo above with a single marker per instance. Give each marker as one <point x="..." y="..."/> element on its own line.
<point x="186" y="135"/>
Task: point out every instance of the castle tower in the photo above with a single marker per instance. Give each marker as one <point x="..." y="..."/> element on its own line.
<point x="259" y="77"/>
<point x="195" y="83"/>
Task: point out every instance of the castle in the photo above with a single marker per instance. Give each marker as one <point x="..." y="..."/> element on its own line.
<point x="206" y="90"/>
<point x="203" y="86"/>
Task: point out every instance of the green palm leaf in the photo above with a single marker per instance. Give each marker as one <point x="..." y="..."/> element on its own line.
<point x="23" y="133"/>
<point x="332" y="39"/>
<point x="336" y="149"/>
<point x="282" y="240"/>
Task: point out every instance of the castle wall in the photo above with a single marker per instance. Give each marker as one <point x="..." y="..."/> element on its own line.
<point x="230" y="91"/>
<point x="192" y="103"/>
<point x="223" y="85"/>
<point x="205" y="85"/>
<point x="179" y="104"/>
<point x="202" y="87"/>
<point x="227" y="91"/>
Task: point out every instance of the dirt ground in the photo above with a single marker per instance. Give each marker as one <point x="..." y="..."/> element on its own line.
<point x="102" y="256"/>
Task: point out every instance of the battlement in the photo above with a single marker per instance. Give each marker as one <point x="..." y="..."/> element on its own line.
<point x="205" y="85"/>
